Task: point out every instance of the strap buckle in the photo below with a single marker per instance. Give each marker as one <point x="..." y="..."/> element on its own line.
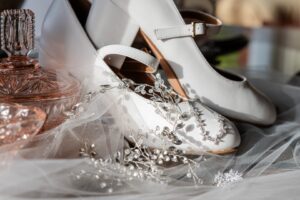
<point x="194" y="29"/>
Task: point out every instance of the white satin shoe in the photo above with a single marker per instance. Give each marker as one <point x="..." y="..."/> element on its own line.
<point x="171" y="40"/>
<point x="187" y="125"/>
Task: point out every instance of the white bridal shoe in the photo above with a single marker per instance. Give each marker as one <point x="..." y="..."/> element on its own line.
<point x="171" y="40"/>
<point x="187" y="125"/>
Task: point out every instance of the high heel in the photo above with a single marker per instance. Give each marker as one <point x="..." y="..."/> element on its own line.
<point x="119" y="31"/>
<point x="190" y="75"/>
<point x="188" y="125"/>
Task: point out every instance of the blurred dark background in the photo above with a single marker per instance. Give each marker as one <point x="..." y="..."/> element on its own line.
<point x="272" y="28"/>
<point x="8" y="4"/>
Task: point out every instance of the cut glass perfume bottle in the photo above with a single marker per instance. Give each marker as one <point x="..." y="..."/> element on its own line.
<point x="19" y="123"/>
<point x="23" y="80"/>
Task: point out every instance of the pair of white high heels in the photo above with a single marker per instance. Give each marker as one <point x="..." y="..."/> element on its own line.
<point x="112" y="26"/>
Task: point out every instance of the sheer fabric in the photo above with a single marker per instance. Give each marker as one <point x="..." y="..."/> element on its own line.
<point x="266" y="165"/>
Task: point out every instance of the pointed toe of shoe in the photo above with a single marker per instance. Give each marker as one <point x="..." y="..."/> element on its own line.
<point x="260" y="109"/>
<point x="228" y="139"/>
<point x="248" y="105"/>
<point x="268" y="113"/>
<point x="214" y="134"/>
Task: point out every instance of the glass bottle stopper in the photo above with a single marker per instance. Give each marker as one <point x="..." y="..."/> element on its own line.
<point x="17" y="31"/>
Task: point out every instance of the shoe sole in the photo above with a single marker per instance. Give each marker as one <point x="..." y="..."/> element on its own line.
<point x="224" y="152"/>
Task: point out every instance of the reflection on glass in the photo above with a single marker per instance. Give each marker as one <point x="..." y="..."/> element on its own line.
<point x="23" y="80"/>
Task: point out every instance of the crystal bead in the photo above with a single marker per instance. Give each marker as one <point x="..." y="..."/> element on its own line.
<point x="167" y="159"/>
<point x="160" y="162"/>
<point x="103" y="185"/>
<point x="189" y="175"/>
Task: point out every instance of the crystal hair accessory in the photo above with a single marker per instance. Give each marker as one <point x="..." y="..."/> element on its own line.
<point x="18" y="124"/>
<point x="138" y="163"/>
<point x="23" y="80"/>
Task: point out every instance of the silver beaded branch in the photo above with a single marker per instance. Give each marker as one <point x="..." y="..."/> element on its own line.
<point x="141" y="162"/>
<point x="138" y="163"/>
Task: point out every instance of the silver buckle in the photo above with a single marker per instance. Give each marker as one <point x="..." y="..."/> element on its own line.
<point x="194" y="29"/>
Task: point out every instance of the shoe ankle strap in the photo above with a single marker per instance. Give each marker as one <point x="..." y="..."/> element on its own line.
<point x="150" y="63"/>
<point x="202" y="24"/>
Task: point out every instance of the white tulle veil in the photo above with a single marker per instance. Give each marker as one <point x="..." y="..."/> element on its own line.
<point x="266" y="165"/>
